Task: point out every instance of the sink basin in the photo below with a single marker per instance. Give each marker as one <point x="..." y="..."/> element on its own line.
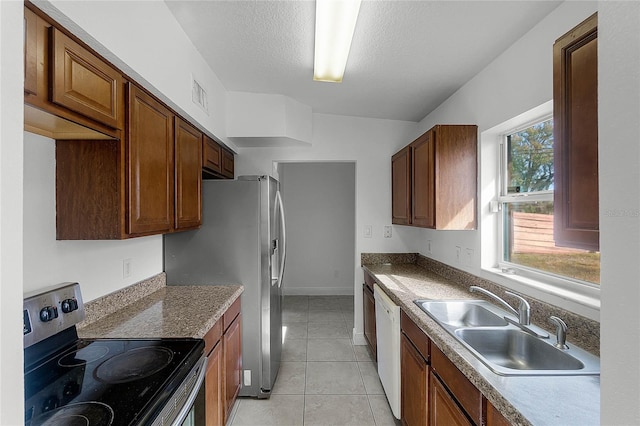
<point x="503" y="347"/>
<point x="461" y="313"/>
<point x="516" y="350"/>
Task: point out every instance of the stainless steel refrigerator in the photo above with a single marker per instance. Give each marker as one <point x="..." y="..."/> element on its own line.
<point x="241" y="241"/>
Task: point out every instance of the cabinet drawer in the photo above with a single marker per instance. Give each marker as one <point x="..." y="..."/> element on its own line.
<point x="84" y="83"/>
<point x="467" y="395"/>
<point x="212" y="337"/>
<point x="415" y="335"/>
<point x="231" y="314"/>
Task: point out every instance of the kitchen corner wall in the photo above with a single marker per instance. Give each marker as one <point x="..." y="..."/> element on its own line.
<point x="96" y="265"/>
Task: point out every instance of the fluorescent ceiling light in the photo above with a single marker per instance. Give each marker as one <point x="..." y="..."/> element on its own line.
<point x="335" y="22"/>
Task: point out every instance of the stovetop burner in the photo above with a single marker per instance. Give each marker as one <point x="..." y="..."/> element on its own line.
<point x="70" y="381"/>
<point x="80" y="414"/>
<point x="134" y="364"/>
<point x="83" y="356"/>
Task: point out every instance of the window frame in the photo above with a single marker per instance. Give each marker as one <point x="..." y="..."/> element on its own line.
<point x="545" y="286"/>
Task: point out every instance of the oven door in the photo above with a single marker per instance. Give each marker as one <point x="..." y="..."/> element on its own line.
<point x="186" y="405"/>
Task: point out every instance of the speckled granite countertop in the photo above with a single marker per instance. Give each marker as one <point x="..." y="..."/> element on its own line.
<point x="171" y="311"/>
<point x="542" y="400"/>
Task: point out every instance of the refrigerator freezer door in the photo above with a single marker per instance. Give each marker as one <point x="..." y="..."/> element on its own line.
<point x="233" y="246"/>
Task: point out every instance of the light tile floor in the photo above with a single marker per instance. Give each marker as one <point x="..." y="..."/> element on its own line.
<point x="324" y="379"/>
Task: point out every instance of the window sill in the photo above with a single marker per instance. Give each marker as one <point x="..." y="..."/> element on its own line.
<point x="585" y="302"/>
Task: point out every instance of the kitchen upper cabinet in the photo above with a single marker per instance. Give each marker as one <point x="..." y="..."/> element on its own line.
<point x="148" y="184"/>
<point x="211" y="156"/>
<point x="217" y="162"/>
<point x="401" y="187"/>
<point x="369" y="312"/>
<point x="150" y="171"/>
<point x="228" y="164"/>
<point x="188" y="189"/>
<point x="575" y="132"/>
<point x="434" y="179"/>
<point x="82" y="82"/>
<point x="30" y="52"/>
<point x="69" y="92"/>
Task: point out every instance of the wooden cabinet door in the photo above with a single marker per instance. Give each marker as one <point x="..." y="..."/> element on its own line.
<point x="188" y="161"/>
<point x="494" y="417"/>
<point x="423" y="182"/>
<point x="84" y="83"/>
<point x="213" y="387"/>
<point x="211" y="155"/>
<point x="30" y="52"/>
<point x="414" y="380"/>
<point x="401" y="187"/>
<point x="369" y="310"/>
<point x="150" y="164"/>
<point x="232" y="347"/>
<point x="228" y="164"/>
<point x="443" y="408"/>
<point x="575" y="133"/>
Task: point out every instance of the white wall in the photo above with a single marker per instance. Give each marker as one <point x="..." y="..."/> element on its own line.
<point x="320" y="203"/>
<point x="96" y="265"/>
<point x="517" y="81"/>
<point x="11" y="119"/>
<point x="369" y="143"/>
<point x="619" y="165"/>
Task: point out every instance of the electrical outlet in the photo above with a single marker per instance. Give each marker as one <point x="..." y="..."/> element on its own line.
<point x="387" y="231"/>
<point x="469" y="256"/>
<point x="458" y="251"/>
<point x="126" y="268"/>
<point x="429" y="246"/>
<point x="367" y="231"/>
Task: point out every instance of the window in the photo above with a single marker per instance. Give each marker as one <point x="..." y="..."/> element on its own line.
<point x="527" y="245"/>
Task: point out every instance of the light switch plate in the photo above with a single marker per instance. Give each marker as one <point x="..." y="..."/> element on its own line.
<point x="367" y="231"/>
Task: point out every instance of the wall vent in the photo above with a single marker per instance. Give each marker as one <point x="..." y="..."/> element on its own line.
<point x="199" y="95"/>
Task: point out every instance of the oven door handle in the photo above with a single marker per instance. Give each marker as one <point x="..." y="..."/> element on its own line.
<point x="184" y="411"/>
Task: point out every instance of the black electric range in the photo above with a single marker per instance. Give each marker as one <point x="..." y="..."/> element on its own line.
<point x="71" y="381"/>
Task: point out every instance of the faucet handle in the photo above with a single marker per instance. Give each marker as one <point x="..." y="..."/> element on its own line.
<point x="561" y="332"/>
<point x="524" y="309"/>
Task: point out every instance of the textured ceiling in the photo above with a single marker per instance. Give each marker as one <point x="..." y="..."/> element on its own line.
<point x="406" y="58"/>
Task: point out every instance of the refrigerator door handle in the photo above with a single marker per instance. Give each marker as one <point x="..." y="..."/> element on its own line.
<point x="283" y="252"/>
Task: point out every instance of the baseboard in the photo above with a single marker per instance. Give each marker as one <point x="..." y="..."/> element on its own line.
<point x="358" y="338"/>
<point x="317" y="291"/>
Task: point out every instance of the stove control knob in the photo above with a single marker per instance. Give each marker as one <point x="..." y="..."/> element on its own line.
<point x="50" y="403"/>
<point x="69" y="305"/>
<point x="48" y="313"/>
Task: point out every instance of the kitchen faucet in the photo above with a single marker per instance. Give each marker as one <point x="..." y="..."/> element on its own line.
<point x="523" y="313"/>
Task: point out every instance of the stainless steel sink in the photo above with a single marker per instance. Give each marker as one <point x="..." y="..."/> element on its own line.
<point x="462" y="313"/>
<point x="503" y="347"/>
<point x="507" y="349"/>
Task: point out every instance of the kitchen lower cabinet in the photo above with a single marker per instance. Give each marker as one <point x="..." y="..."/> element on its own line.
<point x="223" y="346"/>
<point x="434" y="391"/>
<point x="443" y="408"/>
<point x="414" y="384"/>
<point x="369" y="312"/>
<point x="232" y="358"/>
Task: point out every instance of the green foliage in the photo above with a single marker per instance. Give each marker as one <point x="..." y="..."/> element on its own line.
<point x="530" y="158"/>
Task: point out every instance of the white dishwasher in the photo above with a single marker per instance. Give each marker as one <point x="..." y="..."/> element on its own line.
<point x="388" y="346"/>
